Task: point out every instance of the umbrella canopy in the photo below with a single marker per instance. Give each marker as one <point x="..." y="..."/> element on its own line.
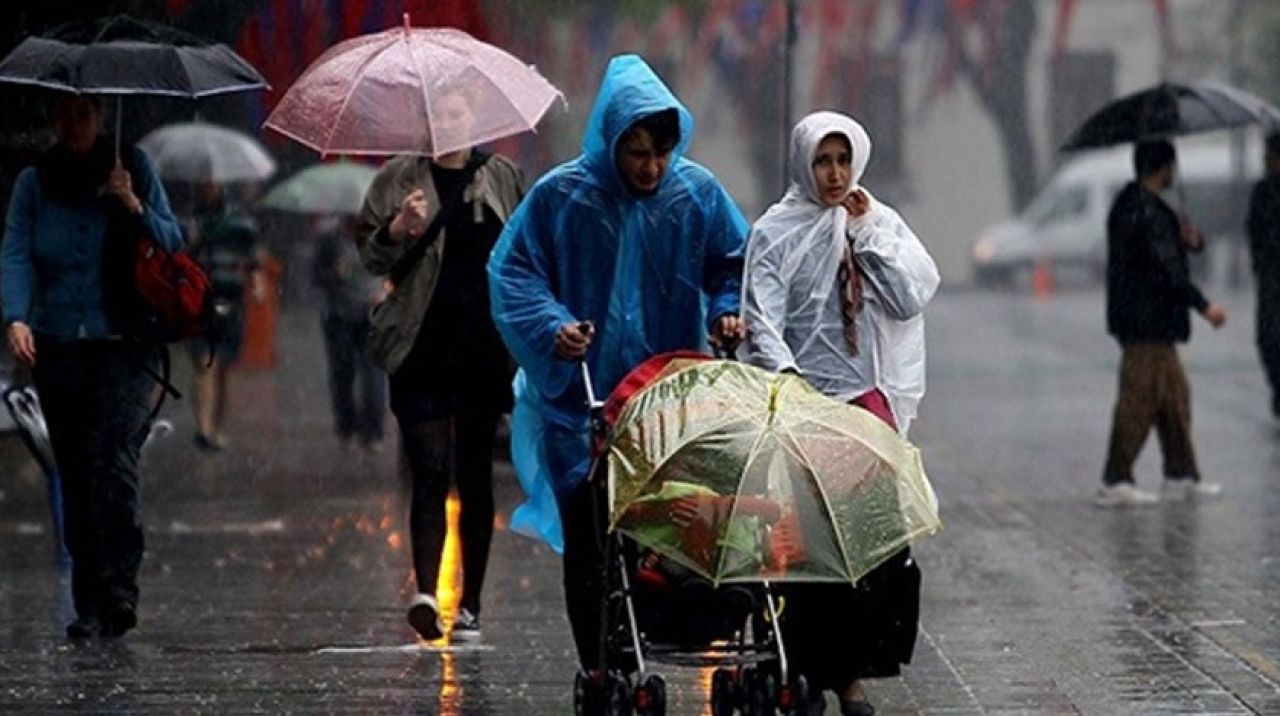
<point x="336" y="188"/>
<point x="1168" y="110"/>
<point x="120" y="55"/>
<point x="744" y="475"/>
<point x="206" y="152"/>
<point x="426" y="91"/>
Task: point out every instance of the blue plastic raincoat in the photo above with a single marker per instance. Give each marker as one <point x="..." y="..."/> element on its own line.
<point x="651" y="272"/>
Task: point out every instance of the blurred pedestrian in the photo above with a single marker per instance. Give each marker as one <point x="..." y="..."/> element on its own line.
<point x="350" y="292"/>
<point x="835" y="289"/>
<point x="1149" y="292"/>
<point x="78" y="206"/>
<point x="625" y="252"/>
<point x="428" y="224"/>
<point x="224" y="239"/>
<point x="1264" y="244"/>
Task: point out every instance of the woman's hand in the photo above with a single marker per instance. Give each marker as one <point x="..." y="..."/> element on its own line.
<point x="120" y="185"/>
<point x="727" y="333"/>
<point x="857" y="203"/>
<point x="22" y="343"/>
<point x="412" y="217"/>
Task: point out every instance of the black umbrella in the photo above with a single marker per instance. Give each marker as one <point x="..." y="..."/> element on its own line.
<point x="120" y="55"/>
<point x="1168" y="110"/>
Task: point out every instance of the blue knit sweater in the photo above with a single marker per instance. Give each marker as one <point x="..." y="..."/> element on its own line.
<point x="51" y="258"/>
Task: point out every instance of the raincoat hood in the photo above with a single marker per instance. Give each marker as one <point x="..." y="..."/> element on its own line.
<point x="805" y="138"/>
<point x="631" y="91"/>
<point x="792" y="297"/>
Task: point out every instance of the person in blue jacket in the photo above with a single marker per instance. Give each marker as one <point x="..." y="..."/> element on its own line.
<point x="625" y="252"/>
<point x="69" y="215"/>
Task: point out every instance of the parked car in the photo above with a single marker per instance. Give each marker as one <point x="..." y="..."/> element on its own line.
<point x="1065" y="225"/>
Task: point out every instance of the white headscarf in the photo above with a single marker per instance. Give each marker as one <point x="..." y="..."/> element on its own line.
<point x="791" y="293"/>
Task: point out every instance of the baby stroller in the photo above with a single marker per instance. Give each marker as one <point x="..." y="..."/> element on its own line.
<point x="656" y="609"/>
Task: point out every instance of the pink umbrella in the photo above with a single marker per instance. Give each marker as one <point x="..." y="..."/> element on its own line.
<point x="409" y="90"/>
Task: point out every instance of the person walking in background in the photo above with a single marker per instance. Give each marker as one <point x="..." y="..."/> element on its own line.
<point x="1264" y="245"/>
<point x="349" y="292"/>
<point x="223" y="238"/>
<point x="627" y="251"/>
<point x="71" y="216"/>
<point x="834" y="291"/>
<point x="428" y="224"/>
<point x="1149" y="293"/>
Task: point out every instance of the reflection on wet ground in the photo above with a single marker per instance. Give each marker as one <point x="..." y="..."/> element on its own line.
<point x="277" y="573"/>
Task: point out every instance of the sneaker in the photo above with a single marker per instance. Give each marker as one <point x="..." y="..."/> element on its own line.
<point x="206" y="443"/>
<point x="466" y="626"/>
<point x="424" y="617"/>
<point x="1123" y="494"/>
<point x="1188" y="488"/>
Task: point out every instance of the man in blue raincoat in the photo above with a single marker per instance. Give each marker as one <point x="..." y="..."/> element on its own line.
<point x="625" y="252"/>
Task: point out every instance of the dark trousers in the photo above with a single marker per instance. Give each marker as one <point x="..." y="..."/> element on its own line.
<point x="1268" y="330"/>
<point x="835" y="634"/>
<point x="1153" y="391"/>
<point x="582" y="516"/>
<point x="96" y="399"/>
<point x="461" y="445"/>
<point x="350" y="367"/>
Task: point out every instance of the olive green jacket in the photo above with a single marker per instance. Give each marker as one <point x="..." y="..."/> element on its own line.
<point x="498" y="184"/>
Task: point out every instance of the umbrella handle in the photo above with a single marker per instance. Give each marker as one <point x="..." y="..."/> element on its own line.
<point x="119" y="121"/>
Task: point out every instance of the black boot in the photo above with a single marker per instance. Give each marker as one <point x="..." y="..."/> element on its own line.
<point x="84" y="627"/>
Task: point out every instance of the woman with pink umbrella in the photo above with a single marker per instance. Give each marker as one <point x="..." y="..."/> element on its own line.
<point x="428" y="224"/>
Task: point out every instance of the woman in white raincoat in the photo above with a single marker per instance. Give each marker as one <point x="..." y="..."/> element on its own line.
<point x="834" y="290"/>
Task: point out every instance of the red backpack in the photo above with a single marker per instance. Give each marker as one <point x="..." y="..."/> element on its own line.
<point x="175" y="288"/>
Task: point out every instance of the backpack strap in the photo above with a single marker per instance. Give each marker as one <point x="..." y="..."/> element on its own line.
<point x="409" y="260"/>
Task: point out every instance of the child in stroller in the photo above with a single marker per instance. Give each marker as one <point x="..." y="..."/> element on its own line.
<point x="661" y="607"/>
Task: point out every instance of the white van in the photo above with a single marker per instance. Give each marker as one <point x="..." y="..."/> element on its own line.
<point x="1066" y="224"/>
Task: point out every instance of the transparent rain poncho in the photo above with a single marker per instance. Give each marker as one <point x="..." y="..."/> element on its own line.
<point x="650" y="272"/>
<point x="792" y="292"/>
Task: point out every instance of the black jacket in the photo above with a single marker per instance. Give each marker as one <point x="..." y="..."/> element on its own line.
<point x="1264" y="233"/>
<point x="1149" y="288"/>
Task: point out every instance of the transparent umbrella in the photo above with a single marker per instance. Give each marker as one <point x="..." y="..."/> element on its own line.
<point x="194" y="152"/>
<point x="335" y="188"/>
<point x="408" y="90"/>
<point x="745" y="475"/>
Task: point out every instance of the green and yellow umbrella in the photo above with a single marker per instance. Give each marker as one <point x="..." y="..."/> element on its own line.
<point x="744" y="475"/>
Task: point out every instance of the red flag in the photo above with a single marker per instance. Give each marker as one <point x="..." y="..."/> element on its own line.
<point x="466" y="15"/>
<point x="315" y="31"/>
<point x="352" y="14"/>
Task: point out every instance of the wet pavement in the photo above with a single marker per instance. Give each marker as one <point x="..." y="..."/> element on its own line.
<point x="277" y="573"/>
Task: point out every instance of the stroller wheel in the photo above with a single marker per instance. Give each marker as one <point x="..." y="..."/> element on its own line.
<point x="586" y="697"/>
<point x="611" y="698"/>
<point x="617" y="694"/>
<point x="723" y="696"/>
<point x="651" y="696"/>
<point x="759" y="692"/>
<point x="794" y="697"/>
